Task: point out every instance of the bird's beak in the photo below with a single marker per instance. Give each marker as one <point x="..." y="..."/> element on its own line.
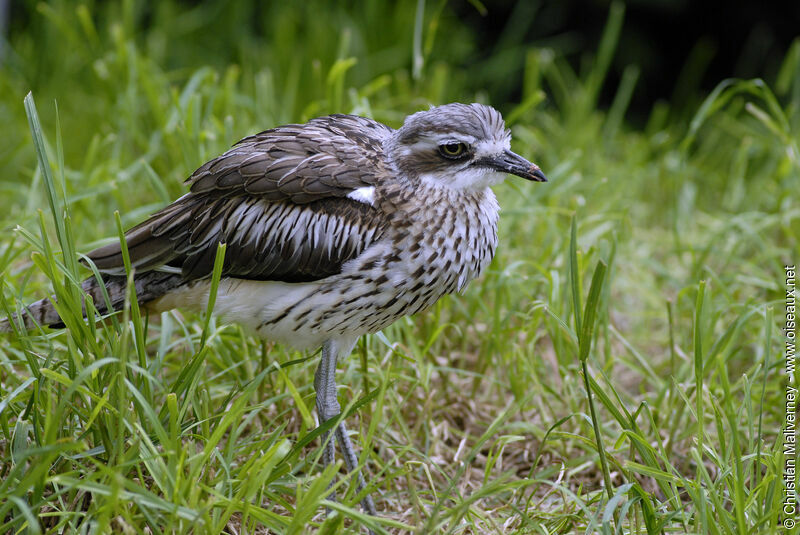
<point x="509" y="162"/>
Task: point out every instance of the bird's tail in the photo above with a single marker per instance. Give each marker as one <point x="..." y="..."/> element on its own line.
<point x="149" y="286"/>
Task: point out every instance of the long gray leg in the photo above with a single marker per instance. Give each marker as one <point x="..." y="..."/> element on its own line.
<point x="328" y="407"/>
<point x="327" y="404"/>
<point x="351" y="461"/>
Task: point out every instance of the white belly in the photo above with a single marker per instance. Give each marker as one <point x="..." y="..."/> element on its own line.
<point x="250" y="304"/>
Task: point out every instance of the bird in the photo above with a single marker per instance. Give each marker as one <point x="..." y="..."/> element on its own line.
<point x="334" y="229"/>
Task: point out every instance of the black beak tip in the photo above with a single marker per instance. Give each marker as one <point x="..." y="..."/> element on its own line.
<point x="538" y="176"/>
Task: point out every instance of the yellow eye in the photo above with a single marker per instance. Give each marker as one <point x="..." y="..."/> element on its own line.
<point x="452" y="150"/>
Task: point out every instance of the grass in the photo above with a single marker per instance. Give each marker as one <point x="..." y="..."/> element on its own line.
<point x="618" y="369"/>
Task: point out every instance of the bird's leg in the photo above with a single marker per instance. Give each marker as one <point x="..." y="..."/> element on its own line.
<point x="351" y="461"/>
<point x="327" y="403"/>
<point x="328" y="407"/>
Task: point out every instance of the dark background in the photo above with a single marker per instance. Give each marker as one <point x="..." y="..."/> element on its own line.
<point x="683" y="47"/>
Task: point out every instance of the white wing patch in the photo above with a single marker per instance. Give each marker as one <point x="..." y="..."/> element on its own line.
<point x="365" y="195"/>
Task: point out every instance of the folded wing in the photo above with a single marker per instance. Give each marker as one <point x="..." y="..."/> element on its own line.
<point x="279" y="200"/>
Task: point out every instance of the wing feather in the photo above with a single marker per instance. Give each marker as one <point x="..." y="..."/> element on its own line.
<point x="278" y="199"/>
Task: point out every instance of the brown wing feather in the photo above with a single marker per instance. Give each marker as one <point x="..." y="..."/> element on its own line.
<point x="278" y="199"/>
<point x="326" y="157"/>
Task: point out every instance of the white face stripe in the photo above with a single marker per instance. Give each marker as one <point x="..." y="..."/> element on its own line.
<point x="492" y="147"/>
<point x="471" y="178"/>
<point x="365" y="195"/>
<point x="453" y="137"/>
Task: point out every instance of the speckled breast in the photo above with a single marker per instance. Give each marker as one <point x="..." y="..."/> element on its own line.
<point x="431" y="250"/>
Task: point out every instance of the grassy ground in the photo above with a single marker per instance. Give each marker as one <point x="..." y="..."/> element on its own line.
<point x="474" y="415"/>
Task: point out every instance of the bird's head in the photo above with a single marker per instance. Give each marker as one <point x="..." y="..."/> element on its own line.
<point x="458" y="146"/>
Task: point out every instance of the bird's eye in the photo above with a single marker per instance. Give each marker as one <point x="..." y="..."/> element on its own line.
<point x="452" y="150"/>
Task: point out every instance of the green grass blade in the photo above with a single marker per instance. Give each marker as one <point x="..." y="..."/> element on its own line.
<point x="574" y="275"/>
<point x="698" y="364"/>
<point x="592" y="303"/>
<point x="585" y="343"/>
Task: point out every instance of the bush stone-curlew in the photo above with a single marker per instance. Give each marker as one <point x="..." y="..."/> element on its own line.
<point x="334" y="229"/>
